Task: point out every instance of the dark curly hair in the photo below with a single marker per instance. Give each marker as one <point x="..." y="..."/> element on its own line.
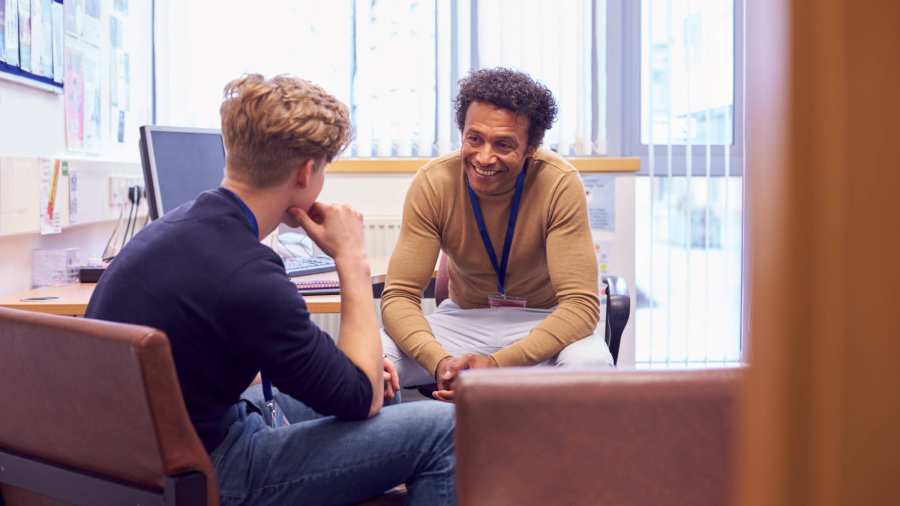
<point x="512" y="90"/>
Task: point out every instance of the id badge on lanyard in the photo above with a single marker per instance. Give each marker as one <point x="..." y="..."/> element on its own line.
<point x="500" y="300"/>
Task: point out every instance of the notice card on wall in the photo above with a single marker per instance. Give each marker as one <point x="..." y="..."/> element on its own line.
<point x="603" y="250"/>
<point x="51" y="203"/>
<point x="601" y="197"/>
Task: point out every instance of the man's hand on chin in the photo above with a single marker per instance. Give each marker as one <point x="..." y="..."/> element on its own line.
<point x="449" y="368"/>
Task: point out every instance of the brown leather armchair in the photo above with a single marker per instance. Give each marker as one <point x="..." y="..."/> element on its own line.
<point x="539" y="436"/>
<point x="92" y="414"/>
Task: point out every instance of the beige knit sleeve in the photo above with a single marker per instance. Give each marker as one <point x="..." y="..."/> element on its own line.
<point x="573" y="272"/>
<point x="410" y="269"/>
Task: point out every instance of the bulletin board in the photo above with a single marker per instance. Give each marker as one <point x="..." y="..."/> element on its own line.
<point x="31" y="43"/>
<point x="86" y="51"/>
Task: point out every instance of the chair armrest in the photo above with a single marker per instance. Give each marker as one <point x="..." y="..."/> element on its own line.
<point x="547" y="436"/>
<point x="618" y="309"/>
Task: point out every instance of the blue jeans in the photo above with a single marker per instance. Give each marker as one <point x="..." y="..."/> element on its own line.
<point x="320" y="460"/>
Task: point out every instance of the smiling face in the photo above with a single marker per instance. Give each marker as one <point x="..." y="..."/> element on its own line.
<point x="494" y="148"/>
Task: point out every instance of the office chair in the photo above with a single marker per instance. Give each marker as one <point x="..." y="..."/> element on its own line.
<point x="618" y="304"/>
<point x="93" y="414"/>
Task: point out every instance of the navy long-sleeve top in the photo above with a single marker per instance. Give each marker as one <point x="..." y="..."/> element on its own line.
<point x="201" y="275"/>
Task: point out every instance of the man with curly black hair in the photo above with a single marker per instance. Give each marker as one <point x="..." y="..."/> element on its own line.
<point x="512" y="220"/>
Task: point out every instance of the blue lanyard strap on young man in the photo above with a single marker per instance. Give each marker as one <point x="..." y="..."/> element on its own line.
<point x="254" y="226"/>
<point x="501" y="266"/>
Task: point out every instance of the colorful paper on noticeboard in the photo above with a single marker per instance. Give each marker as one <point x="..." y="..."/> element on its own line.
<point x="74" y="99"/>
<point x="92" y="100"/>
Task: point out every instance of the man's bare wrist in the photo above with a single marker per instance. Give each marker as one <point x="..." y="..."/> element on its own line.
<point x="351" y="261"/>
<point x="437" y="368"/>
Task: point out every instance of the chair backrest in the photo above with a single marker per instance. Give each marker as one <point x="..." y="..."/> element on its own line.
<point x="96" y="399"/>
<point x="618" y="304"/>
<point x="442" y="281"/>
<point x="554" y="436"/>
<point x="618" y="309"/>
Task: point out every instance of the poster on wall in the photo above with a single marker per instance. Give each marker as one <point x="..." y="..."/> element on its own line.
<point x="90" y="30"/>
<point x="2" y="31"/>
<point x="73" y="13"/>
<point x="46" y="56"/>
<point x="42" y="37"/>
<point x="74" y="99"/>
<point x="92" y="101"/>
<point x="119" y="78"/>
<point x="12" y="32"/>
<point x="601" y="197"/>
<point x="37" y="38"/>
<point x="25" y="35"/>
<point x="57" y="27"/>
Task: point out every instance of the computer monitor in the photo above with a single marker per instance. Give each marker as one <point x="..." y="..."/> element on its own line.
<point x="179" y="164"/>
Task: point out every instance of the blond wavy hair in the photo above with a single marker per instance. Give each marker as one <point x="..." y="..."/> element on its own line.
<point x="272" y="125"/>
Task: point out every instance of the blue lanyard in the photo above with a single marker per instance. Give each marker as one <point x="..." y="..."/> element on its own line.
<point x="251" y="219"/>
<point x="499" y="267"/>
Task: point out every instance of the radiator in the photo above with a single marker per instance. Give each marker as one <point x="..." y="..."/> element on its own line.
<point x="381" y="234"/>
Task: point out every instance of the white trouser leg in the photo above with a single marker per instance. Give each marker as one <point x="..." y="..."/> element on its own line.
<point x="485" y="331"/>
<point x="588" y="352"/>
<point x="409" y="371"/>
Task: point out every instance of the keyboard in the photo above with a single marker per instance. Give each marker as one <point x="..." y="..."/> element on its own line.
<point x="304" y="266"/>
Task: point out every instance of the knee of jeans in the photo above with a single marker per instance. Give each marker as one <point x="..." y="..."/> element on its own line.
<point x="439" y="416"/>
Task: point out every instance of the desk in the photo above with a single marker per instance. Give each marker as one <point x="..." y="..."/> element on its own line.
<point x="72" y="300"/>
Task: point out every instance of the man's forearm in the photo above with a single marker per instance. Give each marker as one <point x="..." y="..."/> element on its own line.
<point x="407" y="326"/>
<point x="415" y="340"/>
<point x="568" y="323"/>
<point x="358" y="337"/>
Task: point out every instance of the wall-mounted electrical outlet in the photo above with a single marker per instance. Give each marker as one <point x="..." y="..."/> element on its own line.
<point x="118" y="189"/>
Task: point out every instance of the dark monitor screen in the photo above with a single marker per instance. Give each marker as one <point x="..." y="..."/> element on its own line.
<point x="179" y="164"/>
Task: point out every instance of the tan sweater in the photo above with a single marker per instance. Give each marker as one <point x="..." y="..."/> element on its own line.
<point x="552" y="260"/>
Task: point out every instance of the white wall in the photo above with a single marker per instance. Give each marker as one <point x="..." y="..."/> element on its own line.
<point x="32" y="126"/>
<point x="374" y="195"/>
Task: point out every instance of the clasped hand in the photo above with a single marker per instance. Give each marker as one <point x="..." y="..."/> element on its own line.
<point x="449" y="368"/>
<point x="391" y="380"/>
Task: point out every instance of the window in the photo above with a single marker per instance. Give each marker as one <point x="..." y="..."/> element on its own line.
<point x="395" y="64"/>
<point x="687" y="62"/>
<point x="689" y="196"/>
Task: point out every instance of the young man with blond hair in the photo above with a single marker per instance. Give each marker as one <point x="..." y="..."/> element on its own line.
<point x="200" y="274"/>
